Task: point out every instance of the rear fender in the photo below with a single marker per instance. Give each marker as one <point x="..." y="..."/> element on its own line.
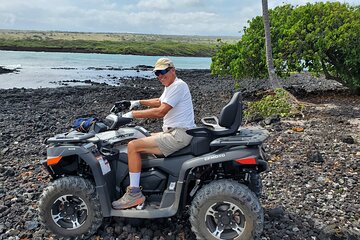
<point x="224" y="155"/>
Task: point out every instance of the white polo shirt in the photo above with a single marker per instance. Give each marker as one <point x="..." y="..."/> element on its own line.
<point x="178" y="96"/>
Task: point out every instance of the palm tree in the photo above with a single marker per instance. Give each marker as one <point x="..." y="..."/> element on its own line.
<point x="274" y="82"/>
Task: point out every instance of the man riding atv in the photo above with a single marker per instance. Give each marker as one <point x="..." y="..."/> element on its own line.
<point x="215" y="178"/>
<point x="175" y="106"/>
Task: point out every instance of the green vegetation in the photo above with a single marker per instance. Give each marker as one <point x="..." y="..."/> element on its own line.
<point x="279" y="102"/>
<point x="322" y="38"/>
<point x="137" y="44"/>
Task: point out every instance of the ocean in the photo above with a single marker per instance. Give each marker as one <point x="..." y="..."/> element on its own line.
<point x="54" y="69"/>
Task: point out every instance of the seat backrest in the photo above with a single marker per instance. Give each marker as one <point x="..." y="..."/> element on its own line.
<point x="231" y="115"/>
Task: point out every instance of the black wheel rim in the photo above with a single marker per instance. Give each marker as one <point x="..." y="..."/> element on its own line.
<point x="225" y="220"/>
<point x="69" y="212"/>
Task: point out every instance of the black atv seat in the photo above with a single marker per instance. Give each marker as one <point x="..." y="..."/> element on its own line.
<point x="228" y="124"/>
<point x="197" y="147"/>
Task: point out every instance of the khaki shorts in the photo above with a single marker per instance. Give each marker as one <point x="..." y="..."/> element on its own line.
<point x="172" y="140"/>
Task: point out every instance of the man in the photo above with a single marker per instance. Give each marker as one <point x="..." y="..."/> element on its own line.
<point x="175" y="106"/>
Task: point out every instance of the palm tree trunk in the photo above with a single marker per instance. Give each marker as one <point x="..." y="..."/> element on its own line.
<point x="274" y="82"/>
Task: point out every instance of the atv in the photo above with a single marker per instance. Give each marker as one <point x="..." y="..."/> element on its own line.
<point x="216" y="177"/>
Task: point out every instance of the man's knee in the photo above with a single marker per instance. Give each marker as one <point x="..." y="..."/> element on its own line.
<point x="143" y="145"/>
<point x="133" y="145"/>
<point x="137" y="145"/>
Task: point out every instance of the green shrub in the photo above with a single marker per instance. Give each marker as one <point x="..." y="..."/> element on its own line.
<point x="278" y="103"/>
<point x="321" y="37"/>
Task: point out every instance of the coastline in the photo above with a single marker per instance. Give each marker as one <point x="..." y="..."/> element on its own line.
<point x="81" y="50"/>
<point x="48" y="49"/>
<point x="118" y="43"/>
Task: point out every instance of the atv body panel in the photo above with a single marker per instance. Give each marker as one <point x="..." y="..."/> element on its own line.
<point x="221" y="152"/>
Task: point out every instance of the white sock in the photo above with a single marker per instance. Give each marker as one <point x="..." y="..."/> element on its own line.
<point x="134" y="179"/>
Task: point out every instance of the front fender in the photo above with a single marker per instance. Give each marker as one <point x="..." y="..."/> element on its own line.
<point x="86" y="153"/>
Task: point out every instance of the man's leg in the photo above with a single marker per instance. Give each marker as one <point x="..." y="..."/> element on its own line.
<point x="138" y="146"/>
<point x="133" y="195"/>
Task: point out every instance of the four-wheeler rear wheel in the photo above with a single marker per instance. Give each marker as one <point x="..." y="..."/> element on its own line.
<point x="226" y="209"/>
<point x="70" y="208"/>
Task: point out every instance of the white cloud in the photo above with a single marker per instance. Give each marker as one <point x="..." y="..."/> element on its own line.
<point x="154" y="4"/>
<point x="168" y="4"/>
<point x="7" y="19"/>
<point x="193" y="17"/>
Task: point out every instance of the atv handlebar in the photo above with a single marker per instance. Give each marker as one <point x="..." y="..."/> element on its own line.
<point x="120" y="106"/>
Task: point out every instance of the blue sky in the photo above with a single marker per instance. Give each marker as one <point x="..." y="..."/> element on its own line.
<point x="179" y="17"/>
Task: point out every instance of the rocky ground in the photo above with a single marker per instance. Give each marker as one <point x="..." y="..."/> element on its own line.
<point x="311" y="190"/>
<point x="5" y="70"/>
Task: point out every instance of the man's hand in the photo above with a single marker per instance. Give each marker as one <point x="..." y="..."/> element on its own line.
<point x="128" y="115"/>
<point x="133" y="104"/>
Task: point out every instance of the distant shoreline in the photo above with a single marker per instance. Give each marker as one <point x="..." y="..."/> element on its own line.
<point x="79" y="50"/>
<point x="126" y="44"/>
<point x="45" y="49"/>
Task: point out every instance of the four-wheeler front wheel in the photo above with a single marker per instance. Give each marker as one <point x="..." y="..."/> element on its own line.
<point x="70" y="208"/>
<point x="226" y="209"/>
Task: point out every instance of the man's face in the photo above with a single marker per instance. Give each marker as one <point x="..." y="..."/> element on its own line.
<point x="166" y="77"/>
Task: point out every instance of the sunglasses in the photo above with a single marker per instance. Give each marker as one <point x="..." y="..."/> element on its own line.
<point x="162" y="72"/>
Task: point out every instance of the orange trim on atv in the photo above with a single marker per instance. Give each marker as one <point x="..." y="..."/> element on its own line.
<point x="54" y="160"/>
<point x="246" y="160"/>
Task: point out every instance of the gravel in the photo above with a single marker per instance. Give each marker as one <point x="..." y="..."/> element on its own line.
<point x="311" y="190"/>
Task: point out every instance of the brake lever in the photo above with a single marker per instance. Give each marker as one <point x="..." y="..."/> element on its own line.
<point x="112" y="110"/>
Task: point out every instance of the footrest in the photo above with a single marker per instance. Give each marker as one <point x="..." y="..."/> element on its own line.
<point x="140" y="206"/>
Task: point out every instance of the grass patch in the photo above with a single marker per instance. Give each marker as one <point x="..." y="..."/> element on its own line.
<point x="279" y="102"/>
<point x="137" y="44"/>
